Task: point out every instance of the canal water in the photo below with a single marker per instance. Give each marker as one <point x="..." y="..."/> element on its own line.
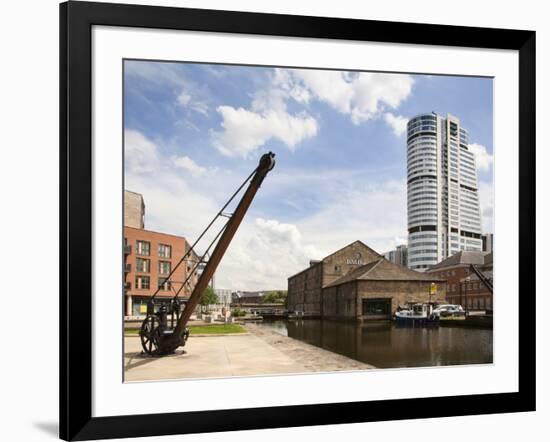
<point x="385" y="345"/>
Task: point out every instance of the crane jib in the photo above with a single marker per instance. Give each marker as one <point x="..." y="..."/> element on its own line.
<point x="157" y="336"/>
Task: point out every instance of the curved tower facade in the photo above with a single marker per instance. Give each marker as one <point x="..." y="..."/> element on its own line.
<point x="442" y="191"/>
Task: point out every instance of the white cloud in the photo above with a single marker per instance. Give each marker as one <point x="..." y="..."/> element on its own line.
<point x="245" y="131"/>
<point x="484" y="163"/>
<point x="168" y="74"/>
<point x="486" y="203"/>
<point x="283" y="80"/>
<point x="186" y="163"/>
<point x="484" y="160"/>
<point x="397" y="123"/>
<point x="156" y="73"/>
<point x="288" y="235"/>
<point x="172" y="202"/>
<point x="270" y="251"/>
<point x="140" y="154"/>
<point x="362" y="95"/>
<point x="342" y="207"/>
<point x="266" y="250"/>
<point x="188" y="102"/>
<point x="183" y="204"/>
<point x="184" y="98"/>
<point x="375" y="214"/>
<point x="399" y="241"/>
<point x="171" y="198"/>
<point x="328" y="86"/>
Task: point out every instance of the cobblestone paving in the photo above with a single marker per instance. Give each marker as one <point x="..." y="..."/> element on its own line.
<point x="314" y="359"/>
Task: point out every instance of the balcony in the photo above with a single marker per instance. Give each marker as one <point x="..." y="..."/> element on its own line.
<point x="127" y="268"/>
<point x="127" y="249"/>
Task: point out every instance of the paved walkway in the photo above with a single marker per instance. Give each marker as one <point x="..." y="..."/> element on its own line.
<point x="258" y="353"/>
<point x="314" y="359"/>
<point x="207" y="357"/>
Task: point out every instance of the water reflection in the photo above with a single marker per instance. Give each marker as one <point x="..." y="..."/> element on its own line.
<point x="385" y="345"/>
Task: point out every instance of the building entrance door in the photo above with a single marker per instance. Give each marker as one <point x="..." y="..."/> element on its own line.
<point x="376" y="308"/>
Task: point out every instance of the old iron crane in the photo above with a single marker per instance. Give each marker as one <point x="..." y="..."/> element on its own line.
<point x="164" y="328"/>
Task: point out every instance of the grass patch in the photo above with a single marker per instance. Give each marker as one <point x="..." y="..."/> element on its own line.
<point x="216" y="329"/>
<point x="210" y="329"/>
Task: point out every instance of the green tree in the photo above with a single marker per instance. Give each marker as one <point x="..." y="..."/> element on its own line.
<point x="275" y="297"/>
<point x="208" y="297"/>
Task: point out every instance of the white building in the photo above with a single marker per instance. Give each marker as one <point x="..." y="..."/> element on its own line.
<point x="442" y="191"/>
<point x="224" y="296"/>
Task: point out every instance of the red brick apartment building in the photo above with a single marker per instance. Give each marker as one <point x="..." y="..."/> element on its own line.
<point x="149" y="257"/>
<point x="463" y="285"/>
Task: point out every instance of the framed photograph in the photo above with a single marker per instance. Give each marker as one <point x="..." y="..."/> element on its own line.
<point x="272" y="220"/>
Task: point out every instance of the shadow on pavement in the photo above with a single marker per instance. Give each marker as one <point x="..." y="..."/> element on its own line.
<point x="137" y="359"/>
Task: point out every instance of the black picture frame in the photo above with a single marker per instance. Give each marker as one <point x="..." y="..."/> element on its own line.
<point x="76" y="21"/>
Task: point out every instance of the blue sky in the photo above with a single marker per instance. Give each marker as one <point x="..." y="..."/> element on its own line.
<point x="194" y="131"/>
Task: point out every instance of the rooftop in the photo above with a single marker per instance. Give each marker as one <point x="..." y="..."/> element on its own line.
<point x="135" y="193"/>
<point x="474" y="278"/>
<point x="464" y="258"/>
<point x="154" y="232"/>
<point x="314" y="263"/>
<point x="383" y="270"/>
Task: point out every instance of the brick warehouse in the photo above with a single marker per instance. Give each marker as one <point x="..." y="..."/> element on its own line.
<point x="148" y="259"/>
<point x="355" y="282"/>
<point x="463" y="285"/>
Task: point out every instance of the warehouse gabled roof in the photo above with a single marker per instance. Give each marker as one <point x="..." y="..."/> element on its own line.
<point x="359" y="242"/>
<point x="464" y="257"/>
<point x="314" y="263"/>
<point x="383" y="270"/>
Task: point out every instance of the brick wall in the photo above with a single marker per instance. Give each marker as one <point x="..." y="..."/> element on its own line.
<point x="471" y="295"/>
<point x="452" y="275"/>
<point x="345" y="301"/>
<point x="178" y="248"/>
<point x="305" y="288"/>
<point x="339" y="302"/>
<point x="400" y="292"/>
<point x="341" y="262"/>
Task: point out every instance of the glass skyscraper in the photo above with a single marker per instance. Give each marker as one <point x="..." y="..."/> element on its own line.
<point x="442" y="191"/>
